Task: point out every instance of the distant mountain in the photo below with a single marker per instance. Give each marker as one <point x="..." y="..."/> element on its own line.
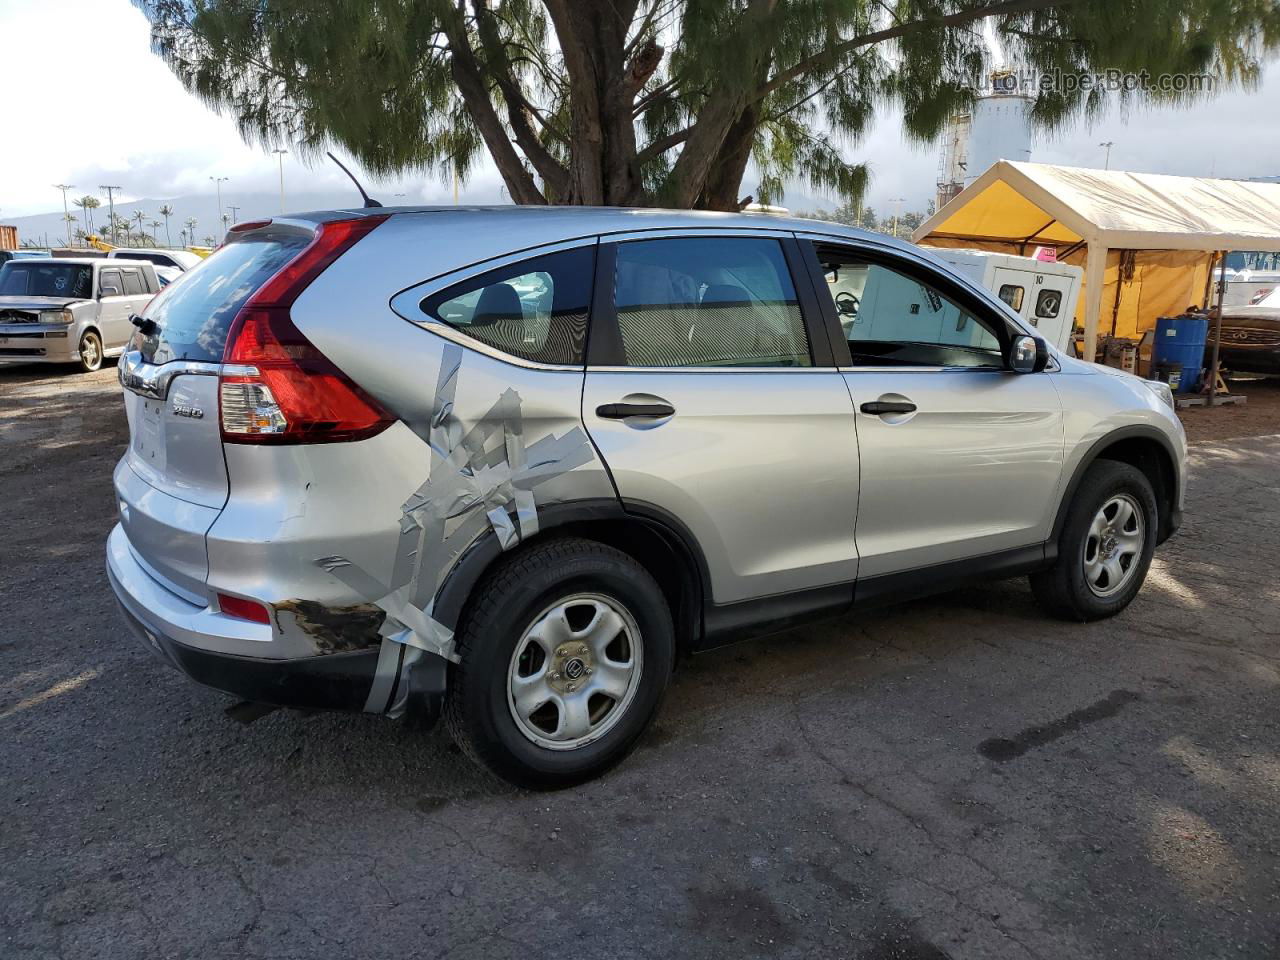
<point x="49" y="228"/>
<point x="248" y="206"/>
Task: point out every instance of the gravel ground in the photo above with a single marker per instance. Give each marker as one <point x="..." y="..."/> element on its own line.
<point x="1260" y="414"/>
<point x="956" y="778"/>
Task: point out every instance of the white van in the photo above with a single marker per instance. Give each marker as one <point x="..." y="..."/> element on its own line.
<point x="175" y="259"/>
<point x="1041" y="292"/>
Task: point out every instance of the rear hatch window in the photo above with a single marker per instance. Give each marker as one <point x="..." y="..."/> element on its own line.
<point x="192" y="318"/>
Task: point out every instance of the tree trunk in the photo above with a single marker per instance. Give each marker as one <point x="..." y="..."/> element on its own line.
<point x="725" y="177"/>
<point x="603" y="167"/>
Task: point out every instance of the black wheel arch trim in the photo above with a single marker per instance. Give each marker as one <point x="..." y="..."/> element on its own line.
<point x="1167" y="523"/>
<point x="476" y="559"/>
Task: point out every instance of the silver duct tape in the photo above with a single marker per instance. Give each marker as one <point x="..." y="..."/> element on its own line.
<point x="384" y="677"/>
<point x="472" y="483"/>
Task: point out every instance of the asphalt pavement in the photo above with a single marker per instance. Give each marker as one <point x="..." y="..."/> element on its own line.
<point x="959" y="777"/>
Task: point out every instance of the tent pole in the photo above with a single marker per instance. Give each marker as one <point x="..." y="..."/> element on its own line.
<point x="1095" y="273"/>
<point x="1217" y="327"/>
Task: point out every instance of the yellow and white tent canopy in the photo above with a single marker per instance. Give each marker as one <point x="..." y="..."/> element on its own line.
<point x="1146" y="240"/>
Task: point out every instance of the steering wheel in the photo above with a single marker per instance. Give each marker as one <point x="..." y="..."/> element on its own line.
<point x="847" y="304"/>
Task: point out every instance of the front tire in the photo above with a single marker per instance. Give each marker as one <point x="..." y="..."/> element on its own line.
<point x="1105" y="548"/>
<point x="565" y="652"/>
<point x="90" y="352"/>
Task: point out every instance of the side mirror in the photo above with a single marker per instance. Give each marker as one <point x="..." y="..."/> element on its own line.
<point x="108" y="290"/>
<point x="1028" y="354"/>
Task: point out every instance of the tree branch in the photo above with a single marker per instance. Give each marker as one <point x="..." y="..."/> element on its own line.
<point x="828" y="57"/>
<point x="553" y="173"/>
<point x="475" y="94"/>
<point x="663" y="144"/>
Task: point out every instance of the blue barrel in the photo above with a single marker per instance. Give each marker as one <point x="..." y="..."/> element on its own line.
<point x="1181" y="340"/>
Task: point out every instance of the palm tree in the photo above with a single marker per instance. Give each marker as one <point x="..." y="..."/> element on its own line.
<point x="166" y="211"/>
<point x="88" y="204"/>
<point x="69" y="218"/>
<point x="191" y="230"/>
<point x="139" y="216"/>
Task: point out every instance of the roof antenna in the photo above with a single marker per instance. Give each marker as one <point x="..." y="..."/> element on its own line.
<point x="368" y="200"/>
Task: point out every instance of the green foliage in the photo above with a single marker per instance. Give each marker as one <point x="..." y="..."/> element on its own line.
<point x="641" y="101"/>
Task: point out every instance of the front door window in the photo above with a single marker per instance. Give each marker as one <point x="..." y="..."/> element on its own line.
<point x="892" y="318"/>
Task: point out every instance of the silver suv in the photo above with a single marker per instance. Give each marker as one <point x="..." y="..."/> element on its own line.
<point x="70" y="310"/>
<point x="505" y="464"/>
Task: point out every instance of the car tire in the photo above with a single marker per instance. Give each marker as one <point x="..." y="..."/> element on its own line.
<point x="539" y="631"/>
<point x="1105" y="548"/>
<point x="89" y="352"/>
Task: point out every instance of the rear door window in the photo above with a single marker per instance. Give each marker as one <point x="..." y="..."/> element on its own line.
<point x="110" y="278"/>
<point x="699" y="302"/>
<point x="132" y="283"/>
<point x="193" y="318"/>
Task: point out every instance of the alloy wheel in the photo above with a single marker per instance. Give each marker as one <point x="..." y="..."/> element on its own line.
<point x="1113" y="546"/>
<point x="575" y="671"/>
<point x="90" y="352"/>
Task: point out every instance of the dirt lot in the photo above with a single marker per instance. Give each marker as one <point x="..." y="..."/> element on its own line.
<point x="1257" y="416"/>
<point x="958" y="778"/>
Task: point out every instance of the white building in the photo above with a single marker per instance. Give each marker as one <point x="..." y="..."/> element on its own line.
<point x="998" y="127"/>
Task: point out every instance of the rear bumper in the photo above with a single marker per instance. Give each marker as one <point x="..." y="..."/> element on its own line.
<point x="338" y="682"/>
<point x="170" y="626"/>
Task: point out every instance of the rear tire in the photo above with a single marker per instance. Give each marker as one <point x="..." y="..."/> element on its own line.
<point x="90" y="352"/>
<point x="1105" y="547"/>
<point x="566" y="651"/>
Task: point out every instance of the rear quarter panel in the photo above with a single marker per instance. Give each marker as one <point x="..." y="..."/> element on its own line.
<point x="350" y="499"/>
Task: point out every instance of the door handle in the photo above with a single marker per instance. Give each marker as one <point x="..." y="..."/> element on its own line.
<point x="620" y="411"/>
<point x="880" y="407"/>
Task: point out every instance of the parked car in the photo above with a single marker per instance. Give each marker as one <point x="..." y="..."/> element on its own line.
<point x="508" y="477"/>
<point x="70" y="310"/>
<point x="7" y="255"/>
<point x="180" y="260"/>
<point x="1250" y="340"/>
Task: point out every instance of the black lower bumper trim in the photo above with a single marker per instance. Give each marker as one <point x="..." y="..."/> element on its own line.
<point x="338" y="681"/>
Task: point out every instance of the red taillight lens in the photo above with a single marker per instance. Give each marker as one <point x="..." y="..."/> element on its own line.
<point x="297" y="394"/>
<point x="244" y="609"/>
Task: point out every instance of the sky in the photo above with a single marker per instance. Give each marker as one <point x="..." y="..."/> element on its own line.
<point x="55" y="54"/>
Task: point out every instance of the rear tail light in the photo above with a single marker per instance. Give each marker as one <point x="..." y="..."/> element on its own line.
<point x="244" y="609"/>
<point x="276" y="386"/>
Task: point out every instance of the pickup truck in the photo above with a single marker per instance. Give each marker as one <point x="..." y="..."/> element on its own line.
<point x="73" y="310"/>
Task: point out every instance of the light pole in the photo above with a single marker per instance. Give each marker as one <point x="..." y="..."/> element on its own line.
<point x="896" y="201"/>
<point x="1108" y="144"/>
<point x="111" y="206"/>
<point x="235" y="216"/>
<point x="218" y="182"/>
<point x="66" y="213"/>
<point x="280" y="152"/>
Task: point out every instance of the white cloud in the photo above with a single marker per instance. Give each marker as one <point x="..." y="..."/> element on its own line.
<point x="153" y="140"/>
<point x="163" y="142"/>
